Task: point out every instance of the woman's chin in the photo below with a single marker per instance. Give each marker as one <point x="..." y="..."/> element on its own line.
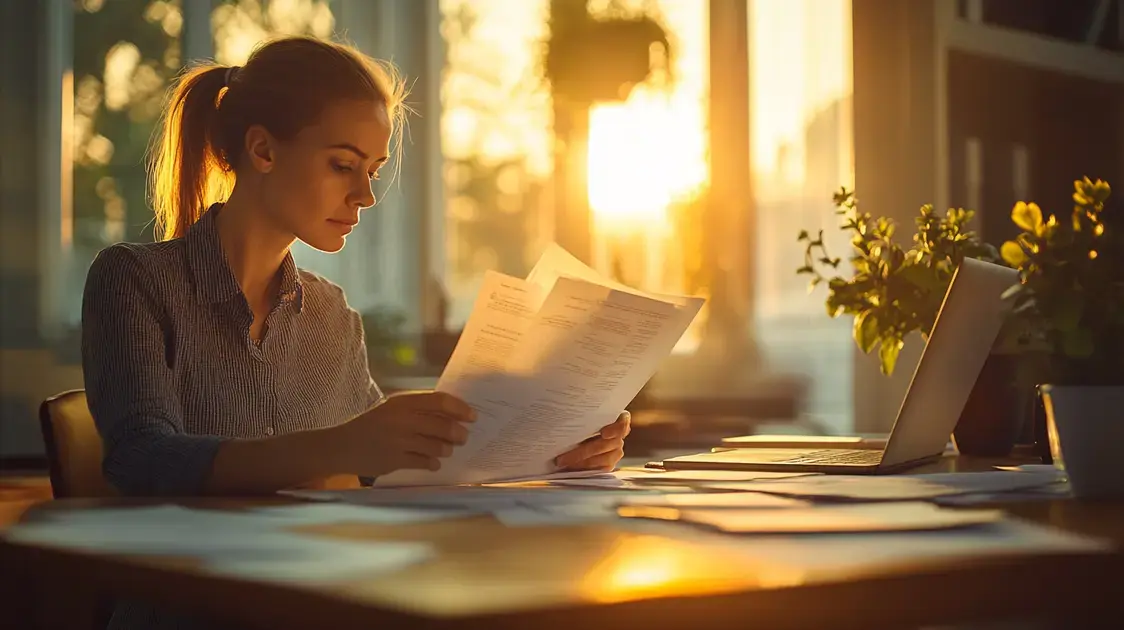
<point x="325" y="243"/>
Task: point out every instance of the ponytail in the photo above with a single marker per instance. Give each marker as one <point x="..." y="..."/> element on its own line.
<point x="187" y="171"/>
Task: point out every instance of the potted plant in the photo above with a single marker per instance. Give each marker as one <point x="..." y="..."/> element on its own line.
<point x="894" y="293"/>
<point x="1071" y="294"/>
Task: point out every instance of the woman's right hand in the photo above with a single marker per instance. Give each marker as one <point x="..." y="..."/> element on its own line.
<point x="408" y="430"/>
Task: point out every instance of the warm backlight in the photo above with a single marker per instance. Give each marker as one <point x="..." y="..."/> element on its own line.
<point x="644" y="154"/>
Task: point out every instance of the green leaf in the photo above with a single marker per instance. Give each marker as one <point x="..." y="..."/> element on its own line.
<point x="1013" y="291"/>
<point x="866" y="331"/>
<point x="834" y="308"/>
<point x="923" y="279"/>
<point x="888" y="354"/>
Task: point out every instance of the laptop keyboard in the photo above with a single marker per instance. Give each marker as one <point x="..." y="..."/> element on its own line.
<point x="849" y="457"/>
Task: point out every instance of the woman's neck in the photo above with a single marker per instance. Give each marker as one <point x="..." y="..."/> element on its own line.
<point x="253" y="246"/>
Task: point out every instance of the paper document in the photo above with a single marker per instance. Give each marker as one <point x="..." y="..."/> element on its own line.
<point x="546" y="363"/>
<point x="806" y="557"/>
<point x="712" y="476"/>
<point x="717" y="500"/>
<point x="895" y="487"/>
<point x="870" y="517"/>
<point x="243" y="544"/>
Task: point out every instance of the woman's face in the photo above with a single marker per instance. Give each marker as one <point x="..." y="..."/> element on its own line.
<point x="320" y="180"/>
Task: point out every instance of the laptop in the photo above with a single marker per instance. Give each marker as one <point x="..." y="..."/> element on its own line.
<point x="963" y="334"/>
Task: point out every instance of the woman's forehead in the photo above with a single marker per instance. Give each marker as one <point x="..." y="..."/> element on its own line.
<point x="365" y="125"/>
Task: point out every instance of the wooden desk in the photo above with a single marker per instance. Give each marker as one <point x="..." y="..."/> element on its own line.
<point x="490" y="576"/>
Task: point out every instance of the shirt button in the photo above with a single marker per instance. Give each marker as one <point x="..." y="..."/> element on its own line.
<point x="269" y="430"/>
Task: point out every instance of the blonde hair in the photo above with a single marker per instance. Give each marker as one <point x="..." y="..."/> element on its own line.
<point x="284" y="87"/>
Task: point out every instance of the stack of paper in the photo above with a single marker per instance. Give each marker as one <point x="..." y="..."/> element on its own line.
<point x="546" y="362"/>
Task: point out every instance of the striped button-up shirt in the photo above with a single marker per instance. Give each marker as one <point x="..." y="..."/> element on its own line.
<point x="171" y="370"/>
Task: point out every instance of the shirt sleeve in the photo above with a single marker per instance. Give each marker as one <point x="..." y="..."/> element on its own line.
<point x="130" y="386"/>
<point x="369" y="391"/>
<point x="370" y="394"/>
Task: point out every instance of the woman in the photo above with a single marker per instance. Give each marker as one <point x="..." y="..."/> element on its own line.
<point x="213" y="365"/>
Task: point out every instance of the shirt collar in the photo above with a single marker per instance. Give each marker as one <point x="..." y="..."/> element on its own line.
<point x="213" y="278"/>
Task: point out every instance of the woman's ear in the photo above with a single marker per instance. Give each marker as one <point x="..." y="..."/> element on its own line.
<point x="260" y="149"/>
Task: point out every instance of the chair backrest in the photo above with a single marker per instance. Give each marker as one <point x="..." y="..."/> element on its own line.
<point x="74" y="450"/>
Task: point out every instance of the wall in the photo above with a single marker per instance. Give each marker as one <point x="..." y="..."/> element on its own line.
<point x="896" y="128"/>
<point x="29" y="367"/>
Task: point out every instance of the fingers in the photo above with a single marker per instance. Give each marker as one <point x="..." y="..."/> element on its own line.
<point x="618" y="429"/>
<point x="449" y="405"/>
<point x="419" y="462"/>
<point x="605" y="461"/>
<point x="586" y="451"/>
<point x="441" y="428"/>
<point x="428" y="446"/>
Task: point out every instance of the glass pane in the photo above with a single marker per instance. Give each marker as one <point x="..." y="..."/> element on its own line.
<point x="240" y="25"/>
<point x="802" y="142"/>
<point x="496" y="141"/>
<point x="648" y="163"/>
<point x="497" y="137"/>
<point x="125" y="54"/>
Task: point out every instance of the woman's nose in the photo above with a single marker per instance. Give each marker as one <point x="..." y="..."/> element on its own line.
<point x="365" y="196"/>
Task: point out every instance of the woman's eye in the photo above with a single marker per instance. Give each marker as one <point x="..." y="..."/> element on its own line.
<point x="341" y="168"/>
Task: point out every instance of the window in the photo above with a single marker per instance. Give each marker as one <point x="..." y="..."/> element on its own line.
<point x="496" y="143"/>
<point x="802" y="142"/>
<point x="124" y="55"/>
<point x="646" y="161"/>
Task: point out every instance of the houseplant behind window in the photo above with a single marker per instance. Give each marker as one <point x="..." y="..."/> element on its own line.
<point x="1071" y="295"/>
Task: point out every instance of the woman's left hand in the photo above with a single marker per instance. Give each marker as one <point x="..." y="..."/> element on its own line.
<point x="600" y="452"/>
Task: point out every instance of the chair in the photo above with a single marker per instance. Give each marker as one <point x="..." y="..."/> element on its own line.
<point x="74" y="449"/>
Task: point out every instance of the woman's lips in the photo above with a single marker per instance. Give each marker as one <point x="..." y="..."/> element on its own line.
<point x="346" y="226"/>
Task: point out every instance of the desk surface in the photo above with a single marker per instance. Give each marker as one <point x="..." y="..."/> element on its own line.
<point x="487" y="575"/>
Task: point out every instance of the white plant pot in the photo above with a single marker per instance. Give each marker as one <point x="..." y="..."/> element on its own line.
<point x="1086" y="429"/>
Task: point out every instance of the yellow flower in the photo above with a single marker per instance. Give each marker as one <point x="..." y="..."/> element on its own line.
<point x="1028" y="216"/>
<point x="1013" y="254"/>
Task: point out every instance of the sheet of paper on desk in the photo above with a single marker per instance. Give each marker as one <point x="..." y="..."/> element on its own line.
<point x="868" y="517"/>
<point x="545" y="370"/>
<point x="684" y="480"/>
<point x="711" y="476"/>
<point x="805" y="556"/>
<point x="307" y="560"/>
<point x="321" y="513"/>
<point x="895" y="487"/>
<point x="233" y="543"/>
<point x="474" y="499"/>
<point x="716" y="500"/>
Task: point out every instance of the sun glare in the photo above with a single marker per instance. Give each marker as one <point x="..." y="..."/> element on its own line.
<point x="644" y="154"/>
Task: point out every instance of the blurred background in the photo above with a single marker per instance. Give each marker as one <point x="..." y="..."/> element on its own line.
<point x="677" y="145"/>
